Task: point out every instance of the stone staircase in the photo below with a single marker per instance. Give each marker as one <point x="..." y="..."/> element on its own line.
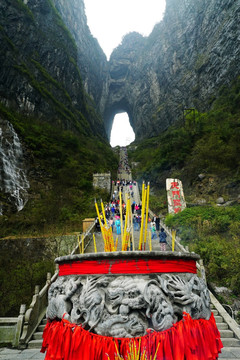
<point x="36" y="341"/>
<point x="231" y="345"/>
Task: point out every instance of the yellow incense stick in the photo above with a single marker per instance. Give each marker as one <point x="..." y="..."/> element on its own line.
<point x="139" y="344"/>
<point x="100" y="223"/>
<point x="125" y="228"/>
<point x="82" y="243"/>
<point x="146" y="220"/>
<point x="133" y="245"/>
<point x="150" y="241"/>
<point x="103" y="211"/>
<point x="121" y="219"/>
<point x="142" y="216"/>
<point x="79" y="245"/>
<point x="156" y="352"/>
<point x="94" y="241"/>
<point x="173" y="239"/>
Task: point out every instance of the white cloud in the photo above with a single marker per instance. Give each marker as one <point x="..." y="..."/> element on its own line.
<point x="110" y="20"/>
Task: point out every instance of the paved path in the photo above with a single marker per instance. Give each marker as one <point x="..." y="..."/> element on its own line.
<point x="230" y="353"/>
<point x="34" y="354"/>
<point x="13" y="354"/>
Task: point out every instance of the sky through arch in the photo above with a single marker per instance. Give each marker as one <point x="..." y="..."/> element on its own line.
<point x="122" y="133"/>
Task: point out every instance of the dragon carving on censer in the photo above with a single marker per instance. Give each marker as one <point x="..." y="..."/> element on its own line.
<point x="126" y="306"/>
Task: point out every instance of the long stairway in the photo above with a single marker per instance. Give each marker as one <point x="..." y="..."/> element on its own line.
<point x="231" y="349"/>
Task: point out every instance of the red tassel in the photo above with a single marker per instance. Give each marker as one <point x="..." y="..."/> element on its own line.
<point x="45" y="337"/>
<point x="186" y="340"/>
<point x="177" y="341"/>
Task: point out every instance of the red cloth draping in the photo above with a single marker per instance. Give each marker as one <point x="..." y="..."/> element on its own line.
<point x="188" y="339"/>
<point x="123" y="266"/>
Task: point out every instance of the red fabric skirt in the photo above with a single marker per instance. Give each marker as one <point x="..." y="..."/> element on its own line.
<point x="188" y="339"/>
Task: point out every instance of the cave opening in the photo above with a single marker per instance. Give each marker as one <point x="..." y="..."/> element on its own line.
<point x="122" y="133"/>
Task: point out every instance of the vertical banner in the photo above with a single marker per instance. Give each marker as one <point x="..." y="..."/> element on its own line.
<point x="175" y="196"/>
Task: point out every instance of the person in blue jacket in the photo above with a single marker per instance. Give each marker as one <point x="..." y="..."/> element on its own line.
<point x="162" y="240"/>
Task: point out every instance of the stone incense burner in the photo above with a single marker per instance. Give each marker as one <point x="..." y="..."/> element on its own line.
<point x="122" y="294"/>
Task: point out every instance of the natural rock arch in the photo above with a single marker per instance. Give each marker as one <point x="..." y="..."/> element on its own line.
<point x="179" y="65"/>
<point x="117" y="108"/>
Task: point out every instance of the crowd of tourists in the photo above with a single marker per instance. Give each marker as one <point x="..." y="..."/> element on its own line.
<point x="123" y="166"/>
<point x="112" y="209"/>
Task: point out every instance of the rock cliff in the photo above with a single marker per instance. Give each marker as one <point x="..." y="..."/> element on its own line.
<point x="51" y="66"/>
<point x="188" y="56"/>
<point x="54" y="69"/>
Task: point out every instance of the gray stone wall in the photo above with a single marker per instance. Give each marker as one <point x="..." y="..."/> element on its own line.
<point x="102" y="181"/>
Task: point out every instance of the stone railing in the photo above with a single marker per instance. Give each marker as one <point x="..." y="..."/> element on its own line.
<point x="36" y="311"/>
<point x="11" y="328"/>
<point x="17" y="331"/>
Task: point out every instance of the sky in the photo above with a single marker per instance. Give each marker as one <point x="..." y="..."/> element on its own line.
<point x="109" y="21"/>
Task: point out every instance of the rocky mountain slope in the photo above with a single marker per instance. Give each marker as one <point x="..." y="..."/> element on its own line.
<point x="51" y="79"/>
<point x="182" y="64"/>
<point x="52" y="61"/>
<point x="46" y="67"/>
<point x="54" y="77"/>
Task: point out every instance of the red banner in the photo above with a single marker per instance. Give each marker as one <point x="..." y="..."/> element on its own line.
<point x="127" y="266"/>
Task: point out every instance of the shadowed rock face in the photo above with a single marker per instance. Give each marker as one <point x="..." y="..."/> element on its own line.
<point x="123" y="77"/>
<point x="51" y="66"/>
<point x="183" y="63"/>
<point x="50" y="61"/>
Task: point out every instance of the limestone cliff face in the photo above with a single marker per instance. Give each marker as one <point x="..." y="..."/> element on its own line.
<point x="49" y="62"/>
<point x="52" y="68"/>
<point x="183" y="63"/>
<point x="92" y="61"/>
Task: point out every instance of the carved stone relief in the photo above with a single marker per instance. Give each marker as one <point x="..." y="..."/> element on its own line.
<point x="126" y="306"/>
